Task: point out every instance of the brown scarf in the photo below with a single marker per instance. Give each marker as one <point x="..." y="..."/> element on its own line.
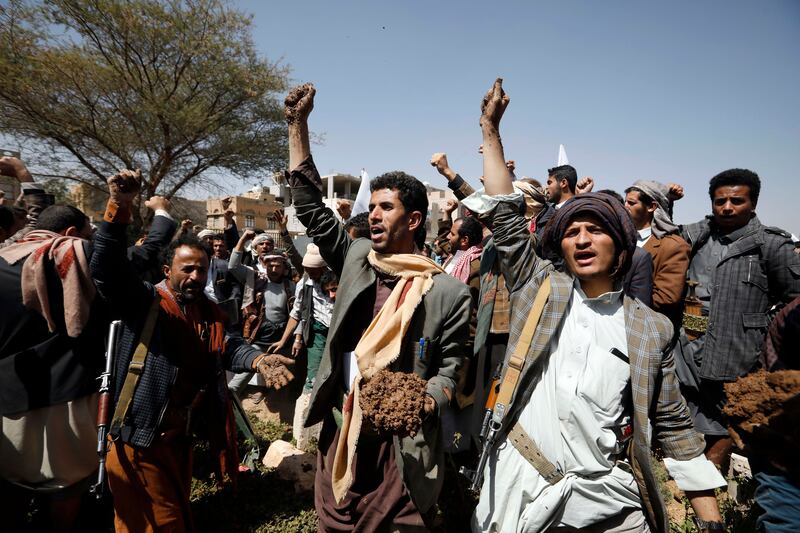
<point x="379" y="347"/>
<point x="45" y="251"/>
<point x="205" y="337"/>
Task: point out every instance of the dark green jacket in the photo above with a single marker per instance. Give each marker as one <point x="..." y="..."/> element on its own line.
<point x="442" y="317"/>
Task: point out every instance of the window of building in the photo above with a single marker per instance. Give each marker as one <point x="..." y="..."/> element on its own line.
<point x="249" y="221"/>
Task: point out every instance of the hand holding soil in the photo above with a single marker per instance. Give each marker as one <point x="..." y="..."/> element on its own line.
<point x="124" y="186"/>
<point x="494" y="105"/>
<point x="394" y="402"/>
<point x="273" y="369"/>
<point x="299" y="103"/>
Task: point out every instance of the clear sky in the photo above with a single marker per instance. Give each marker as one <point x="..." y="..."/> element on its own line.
<point x="674" y="91"/>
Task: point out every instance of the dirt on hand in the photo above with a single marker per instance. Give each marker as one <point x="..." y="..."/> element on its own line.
<point x="763" y="410"/>
<point x="393" y="402"/>
<point x="273" y="372"/>
<point x="292" y="99"/>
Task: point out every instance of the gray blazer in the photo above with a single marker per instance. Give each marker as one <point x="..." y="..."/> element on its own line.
<point x="759" y="271"/>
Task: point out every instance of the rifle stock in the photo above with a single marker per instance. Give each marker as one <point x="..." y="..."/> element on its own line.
<point x="104" y="408"/>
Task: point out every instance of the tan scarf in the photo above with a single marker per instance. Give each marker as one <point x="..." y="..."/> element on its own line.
<point x="43" y="252"/>
<point x="379" y="347"/>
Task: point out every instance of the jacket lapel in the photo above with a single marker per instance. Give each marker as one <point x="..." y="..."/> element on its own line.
<point x="642" y="385"/>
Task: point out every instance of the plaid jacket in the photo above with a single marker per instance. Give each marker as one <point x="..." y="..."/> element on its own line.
<point x="759" y="271"/>
<point x="656" y="398"/>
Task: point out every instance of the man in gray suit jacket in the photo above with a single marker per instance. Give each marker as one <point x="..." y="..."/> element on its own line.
<point x="394" y="480"/>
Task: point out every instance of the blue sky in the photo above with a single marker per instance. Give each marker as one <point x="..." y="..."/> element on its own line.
<point x="674" y="91"/>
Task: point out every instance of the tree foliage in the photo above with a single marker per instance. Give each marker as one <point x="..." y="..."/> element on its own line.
<point x="173" y="87"/>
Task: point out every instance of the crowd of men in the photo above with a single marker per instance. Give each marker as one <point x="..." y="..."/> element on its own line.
<point x="563" y="335"/>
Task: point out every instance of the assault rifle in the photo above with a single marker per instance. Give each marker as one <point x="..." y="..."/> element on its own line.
<point x="104" y="408"/>
<point x="488" y="434"/>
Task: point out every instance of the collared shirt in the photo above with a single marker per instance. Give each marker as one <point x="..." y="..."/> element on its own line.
<point x="210" y="281"/>
<point x="575" y="415"/>
<point x="323" y="305"/>
<point x="559" y="206"/>
<point x="643" y="235"/>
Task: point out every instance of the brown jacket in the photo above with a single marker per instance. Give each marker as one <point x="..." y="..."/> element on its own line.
<point x="670" y="263"/>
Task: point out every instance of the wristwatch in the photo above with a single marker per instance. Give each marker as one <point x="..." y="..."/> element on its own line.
<point x="710" y="525"/>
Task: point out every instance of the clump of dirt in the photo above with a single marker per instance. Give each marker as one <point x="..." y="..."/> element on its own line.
<point x="763" y="411"/>
<point x="273" y="372"/>
<point x="292" y="99"/>
<point x="394" y="401"/>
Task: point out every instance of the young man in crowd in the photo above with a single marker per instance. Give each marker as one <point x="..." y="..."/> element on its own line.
<point x="266" y="300"/>
<point x="649" y="203"/>
<point x="169" y="375"/>
<point x="394" y="309"/>
<point x="561" y="184"/>
<point x="742" y="269"/>
<point x="595" y="378"/>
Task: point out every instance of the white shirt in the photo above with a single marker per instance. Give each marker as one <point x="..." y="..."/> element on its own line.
<point x="643" y="236"/>
<point x="450" y="264"/>
<point x="323" y="305"/>
<point x="583" y="395"/>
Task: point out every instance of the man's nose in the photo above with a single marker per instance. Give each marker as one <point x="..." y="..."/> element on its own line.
<point x="582" y="238"/>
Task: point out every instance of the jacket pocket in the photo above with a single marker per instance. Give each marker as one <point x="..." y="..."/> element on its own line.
<point x="754" y="320"/>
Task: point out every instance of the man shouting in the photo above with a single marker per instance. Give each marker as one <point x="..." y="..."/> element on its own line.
<point x="394" y="311"/>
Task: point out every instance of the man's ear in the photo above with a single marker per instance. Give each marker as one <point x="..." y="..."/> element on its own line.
<point x="414" y="220"/>
<point x="652" y="207"/>
<point x="165" y="269"/>
<point x="71" y="231"/>
<point x="564" y="184"/>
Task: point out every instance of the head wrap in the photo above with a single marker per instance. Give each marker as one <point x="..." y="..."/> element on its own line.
<point x="609" y="212"/>
<point x="205" y="233"/>
<point x="534" y="198"/>
<point x="313" y="259"/>
<point x="662" y="221"/>
<point x="261" y="237"/>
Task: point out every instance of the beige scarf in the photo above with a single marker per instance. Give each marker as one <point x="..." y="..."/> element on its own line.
<point x="379" y="347"/>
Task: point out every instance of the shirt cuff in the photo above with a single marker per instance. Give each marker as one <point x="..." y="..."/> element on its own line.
<point x="694" y="474"/>
<point x="305" y="174"/>
<point x="481" y="203"/>
<point x="163" y="213"/>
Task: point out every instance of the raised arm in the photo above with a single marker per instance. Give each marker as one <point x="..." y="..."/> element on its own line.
<point x="497" y="177"/>
<point x="456" y="183"/>
<point x="320" y="222"/>
<point x="515" y="248"/>
<point x="235" y="266"/>
<point x="162" y="229"/>
<point x="286" y="241"/>
<point x="36" y="198"/>
<point x="113" y="274"/>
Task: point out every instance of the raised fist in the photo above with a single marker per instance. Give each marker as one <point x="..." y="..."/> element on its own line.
<point x="186" y="224"/>
<point x="124" y="186"/>
<point x="511" y="165"/>
<point x="439" y="161"/>
<point x="344" y="208"/>
<point x="494" y="105"/>
<point x="451" y="205"/>
<point x="584" y="185"/>
<point x="13" y="167"/>
<point x="226" y="203"/>
<point x="675" y="192"/>
<point x="248" y="235"/>
<point x="299" y="103"/>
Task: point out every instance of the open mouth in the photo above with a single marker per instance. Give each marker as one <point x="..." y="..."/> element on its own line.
<point x="376" y="231"/>
<point x="584" y="257"/>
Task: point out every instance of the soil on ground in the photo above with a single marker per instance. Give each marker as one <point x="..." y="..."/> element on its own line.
<point x="393" y="402"/>
<point x="763" y="411"/>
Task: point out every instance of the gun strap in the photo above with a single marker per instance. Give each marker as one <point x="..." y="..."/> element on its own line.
<point x="517" y="360"/>
<point x="518" y="437"/>
<point x="136" y="366"/>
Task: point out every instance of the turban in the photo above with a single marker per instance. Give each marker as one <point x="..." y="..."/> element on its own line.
<point x="534" y="198"/>
<point x="205" y="233"/>
<point x="662" y="222"/>
<point x="261" y="237"/>
<point x="611" y="214"/>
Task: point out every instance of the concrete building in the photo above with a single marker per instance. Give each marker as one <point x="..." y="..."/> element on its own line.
<point x="253" y="210"/>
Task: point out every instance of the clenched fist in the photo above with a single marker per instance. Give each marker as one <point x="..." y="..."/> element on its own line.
<point x="299" y="103"/>
<point x="494" y="105"/>
<point x="124" y="186"/>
